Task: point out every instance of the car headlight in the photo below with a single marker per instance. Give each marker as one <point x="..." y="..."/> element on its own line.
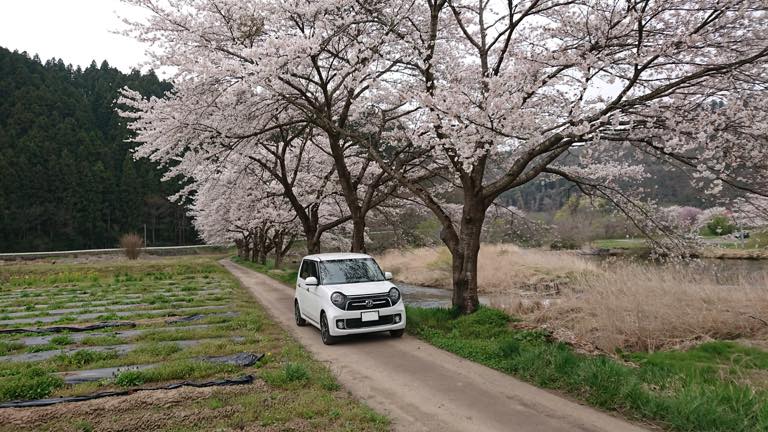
<point x="338" y="299"/>
<point x="394" y="295"/>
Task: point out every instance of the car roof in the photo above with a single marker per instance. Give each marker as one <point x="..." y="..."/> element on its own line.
<point x="335" y="256"/>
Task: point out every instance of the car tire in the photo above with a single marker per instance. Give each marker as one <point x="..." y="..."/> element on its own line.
<point x="397" y="333"/>
<point x="301" y="322"/>
<point x="325" y="332"/>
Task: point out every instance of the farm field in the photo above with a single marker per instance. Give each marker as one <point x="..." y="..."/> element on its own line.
<point x="153" y="323"/>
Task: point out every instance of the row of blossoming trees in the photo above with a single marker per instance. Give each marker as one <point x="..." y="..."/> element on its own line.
<point x="317" y="113"/>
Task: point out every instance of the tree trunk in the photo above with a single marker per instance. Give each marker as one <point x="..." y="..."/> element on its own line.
<point x="255" y="248"/>
<point x="313" y="245"/>
<point x="277" y="241"/>
<point x="349" y="188"/>
<point x="465" y="257"/>
<point x="358" y="234"/>
<point x="240" y="248"/>
<point x="247" y="247"/>
<point x="263" y="248"/>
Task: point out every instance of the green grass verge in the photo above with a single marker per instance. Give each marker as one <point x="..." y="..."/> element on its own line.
<point x="286" y="275"/>
<point x="702" y="389"/>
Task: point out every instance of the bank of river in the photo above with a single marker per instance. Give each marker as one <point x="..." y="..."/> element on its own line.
<point x="726" y="272"/>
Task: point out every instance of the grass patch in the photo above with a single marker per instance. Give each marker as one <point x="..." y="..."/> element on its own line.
<point x="21" y="382"/>
<point x="157" y="349"/>
<point x="630" y="243"/>
<point x="83" y="426"/>
<point x="104" y="340"/>
<point x="286" y="275"/>
<point x="182" y="370"/>
<point x="290" y="373"/>
<point x="694" y="390"/>
<point x="250" y="321"/>
<point x="82" y="358"/>
<point x="164" y="335"/>
<point x="61" y="340"/>
<point x="8" y="347"/>
<point x="41" y="348"/>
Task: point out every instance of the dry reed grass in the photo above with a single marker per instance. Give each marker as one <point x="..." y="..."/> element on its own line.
<point x="131" y="245"/>
<point x="501" y="267"/>
<point x="622" y="305"/>
<point x="645" y="308"/>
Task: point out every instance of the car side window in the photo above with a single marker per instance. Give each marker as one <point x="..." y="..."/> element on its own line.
<point x="304" y="272"/>
<point x="313" y="270"/>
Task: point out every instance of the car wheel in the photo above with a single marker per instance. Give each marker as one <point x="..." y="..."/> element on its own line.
<point x="301" y="322"/>
<point x="397" y="333"/>
<point x="325" y="332"/>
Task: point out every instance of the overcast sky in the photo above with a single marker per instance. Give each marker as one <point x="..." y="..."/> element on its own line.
<point x="76" y="31"/>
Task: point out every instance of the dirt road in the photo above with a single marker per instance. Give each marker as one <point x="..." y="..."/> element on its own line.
<point x="422" y="388"/>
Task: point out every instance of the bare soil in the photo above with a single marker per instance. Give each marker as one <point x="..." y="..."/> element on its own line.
<point x="141" y="411"/>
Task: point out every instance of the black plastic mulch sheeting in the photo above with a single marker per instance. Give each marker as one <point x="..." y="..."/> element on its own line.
<point x="247" y="379"/>
<point x="244" y="359"/>
<point x="198" y="317"/>
<point x="59" y="329"/>
<point x="184" y="319"/>
<point x="239" y="359"/>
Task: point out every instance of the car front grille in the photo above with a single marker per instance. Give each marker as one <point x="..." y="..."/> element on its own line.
<point x="368" y="302"/>
<point x="356" y="323"/>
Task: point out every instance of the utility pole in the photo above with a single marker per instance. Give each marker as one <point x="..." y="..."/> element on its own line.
<point x="145" y="235"/>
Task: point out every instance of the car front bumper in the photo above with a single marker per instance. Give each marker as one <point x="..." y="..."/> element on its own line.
<point x="353" y="323"/>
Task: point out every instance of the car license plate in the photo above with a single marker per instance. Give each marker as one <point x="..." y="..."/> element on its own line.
<point x="369" y="316"/>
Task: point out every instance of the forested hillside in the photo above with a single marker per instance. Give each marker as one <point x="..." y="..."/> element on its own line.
<point x="67" y="179"/>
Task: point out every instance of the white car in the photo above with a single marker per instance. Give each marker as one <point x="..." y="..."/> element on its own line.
<point x="347" y="293"/>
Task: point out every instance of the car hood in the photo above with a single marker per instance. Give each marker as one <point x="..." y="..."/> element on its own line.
<point x="361" y="288"/>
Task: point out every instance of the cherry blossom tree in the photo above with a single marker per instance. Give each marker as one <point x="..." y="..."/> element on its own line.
<point x="494" y="93"/>
<point x="232" y="207"/>
<point x="508" y="91"/>
<point x="750" y="212"/>
<point x="248" y="69"/>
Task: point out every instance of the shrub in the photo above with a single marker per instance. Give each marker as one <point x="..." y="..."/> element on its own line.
<point x="720" y="225"/>
<point x="131" y="245"/>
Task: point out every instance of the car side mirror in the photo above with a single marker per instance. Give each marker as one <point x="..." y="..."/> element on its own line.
<point x="388" y="275"/>
<point x="310" y="281"/>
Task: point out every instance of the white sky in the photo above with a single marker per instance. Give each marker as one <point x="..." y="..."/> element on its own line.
<point x="76" y="31"/>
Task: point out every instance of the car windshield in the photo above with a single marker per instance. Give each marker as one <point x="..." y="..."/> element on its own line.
<point x="350" y="271"/>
